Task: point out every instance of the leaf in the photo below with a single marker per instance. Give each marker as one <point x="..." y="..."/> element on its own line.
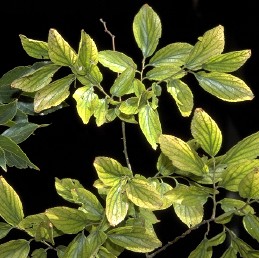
<point x="4" y="229"/>
<point x="54" y="94"/>
<point x="86" y="102"/>
<point x="228" y="62"/>
<point x="110" y="171"/>
<point x="165" y="72"/>
<point x="116" y="204"/>
<point x="164" y="165"/>
<point x="7" y="111"/>
<point x="20" y="132"/>
<point x="245" y="250"/>
<point x="234" y="173"/>
<point x="68" y="220"/>
<point x="87" y="53"/>
<point x="182" y="95"/>
<point x="129" y="106"/>
<point x="181" y="155"/>
<point x="249" y="185"/>
<point x="210" y="44"/>
<point x="202" y="250"/>
<point x="104" y="253"/>
<point x="150" y="125"/>
<point x="7" y="93"/>
<point x="2" y="160"/>
<point x="147" y="30"/>
<point x="89" y="203"/>
<point x="174" y="53"/>
<point x="44" y="232"/>
<point x="135" y="239"/>
<point x="247" y="148"/>
<point x="143" y="194"/>
<point x="116" y="61"/>
<point x="14" y="154"/>
<point x="206" y="132"/>
<point x="123" y="83"/>
<point x="139" y="87"/>
<point x="39" y="253"/>
<point x="35" y="48"/>
<point x="60" y="52"/>
<point x="101" y="111"/>
<point x="251" y="224"/>
<point x="229" y="253"/>
<point x="224" y="86"/>
<point x="36" y="80"/>
<point x="15" y="248"/>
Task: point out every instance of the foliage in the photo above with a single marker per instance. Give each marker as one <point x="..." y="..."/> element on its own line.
<point x="189" y="173"/>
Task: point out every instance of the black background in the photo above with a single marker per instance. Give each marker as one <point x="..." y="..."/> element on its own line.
<point x="67" y="148"/>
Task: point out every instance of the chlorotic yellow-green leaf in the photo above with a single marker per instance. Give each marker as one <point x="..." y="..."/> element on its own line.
<point x="15" y="248"/>
<point x="134" y="238"/>
<point x="174" y="53"/>
<point x="224" y="86"/>
<point x="115" y="60"/>
<point x="60" y="52"/>
<point x="14" y="155"/>
<point x="44" y="232"/>
<point x="182" y="95"/>
<point x="116" y="204"/>
<point x="139" y="87"/>
<point x="147" y="30"/>
<point x="228" y="62"/>
<point x="87" y="53"/>
<point x="236" y="206"/>
<point x="101" y="111"/>
<point x="164" y="165"/>
<point x="165" y="72"/>
<point x="143" y="194"/>
<point x="35" y="48"/>
<point x="7" y="111"/>
<point x="206" y="132"/>
<point x="86" y="102"/>
<point x="247" y="148"/>
<point x="251" y="224"/>
<point x="123" y="84"/>
<point x="249" y="185"/>
<point x="4" y="229"/>
<point x="129" y="106"/>
<point x="37" y="79"/>
<point x="54" y="94"/>
<point x="210" y="44"/>
<point x="110" y="171"/>
<point x="234" y="173"/>
<point x="68" y="220"/>
<point x="150" y="124"/>
<point x="181" y="155"/>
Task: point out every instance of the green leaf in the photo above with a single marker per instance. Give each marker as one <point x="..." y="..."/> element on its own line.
<point x="210" y="44"/>
<point x="228" y="62"/>
<point x="104" y="253"/>
<point x="4" y="229"/>
<point x="251" y="224"/>
<point x="86" y="102"/>
<point x="164" y="165"/>
<point x="116" y="204"/>
<point x="233" y="174"/>
<point x="224" y="86"/>
<point x="54" y="94"/>
<point x="135" y="239"/>
<point x="139" y="87"/>
<point x="20" y="132"/>
<point x="143" y="194"/>
<point x="2" y="160"/>
<point x="15" y="248"/>
<point x="247" y="148"/>
<point x="116" y="61"/>
<point x="123" y="84"/>
<point x="203" y="250"/>
<point x="181" y="155"/>
<point x="60" y="52"/>
<point x="206" y="132"/>
<point x="37" y="79"/>
<point x="147" y="30"/>
<point x="129" y="106"/>
<point x="249" y="185"/>
<point x="14" y="154"/>
<point x="39" y="253"/>
<point x="35" y="48"/>
<point x="165" y="72"/>
<point x="175" y="54"/>
<point x="245" y="250"/>
<point x="182" y="95"/>
<point x="237" y="206"/>
<point x="87" y="53"/>
<point x="68" y="220"/>
<point x="229" y="253"/>
<point x="150" y="124"/>
<point x="44" y="232"/>
<point x="7" y="111"/>
<point x="110" y="171"/>
<point x="89" y="203"/>
<point x="7" y="94"/>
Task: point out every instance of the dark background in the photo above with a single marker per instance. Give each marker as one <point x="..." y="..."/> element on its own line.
<point x="67" y="148"/>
